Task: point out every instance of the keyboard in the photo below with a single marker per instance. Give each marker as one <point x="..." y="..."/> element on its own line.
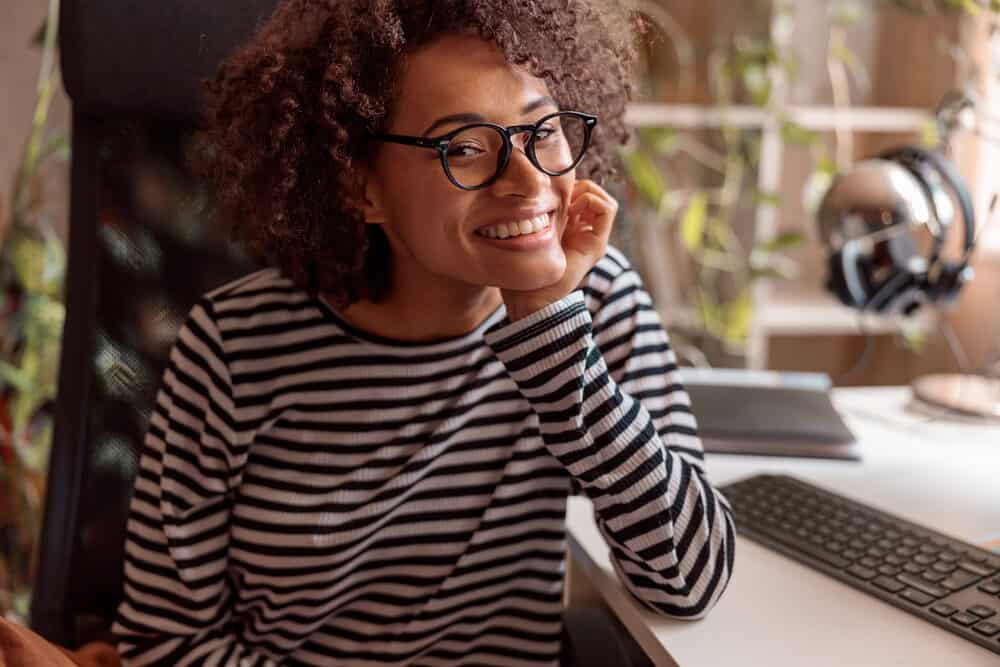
<point x="953" y="584"/>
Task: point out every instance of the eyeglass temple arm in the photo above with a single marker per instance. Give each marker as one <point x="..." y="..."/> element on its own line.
<point x="409" y="141"/>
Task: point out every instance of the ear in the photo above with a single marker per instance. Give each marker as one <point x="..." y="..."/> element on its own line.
<point x="372" y="203"/>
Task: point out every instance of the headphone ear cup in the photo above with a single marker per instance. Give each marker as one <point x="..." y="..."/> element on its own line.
<point x="835" y="281"/>
<point x="948" y="283"/>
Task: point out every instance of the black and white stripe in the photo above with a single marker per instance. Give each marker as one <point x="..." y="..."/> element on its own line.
<point x="312" y="495"/>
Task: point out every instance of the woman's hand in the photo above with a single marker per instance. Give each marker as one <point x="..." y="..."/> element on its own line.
<point x="584" y="241"/>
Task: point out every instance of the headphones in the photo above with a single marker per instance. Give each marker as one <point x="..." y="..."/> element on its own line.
<point x="867" y="218"/>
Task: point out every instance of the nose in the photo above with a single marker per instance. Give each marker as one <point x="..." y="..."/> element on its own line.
<point x="521" y="178"/>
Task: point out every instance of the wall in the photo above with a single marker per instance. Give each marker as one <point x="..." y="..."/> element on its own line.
<point x="19" y="63"/>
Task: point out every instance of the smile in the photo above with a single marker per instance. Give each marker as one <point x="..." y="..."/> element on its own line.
<point x="505" y="230"/>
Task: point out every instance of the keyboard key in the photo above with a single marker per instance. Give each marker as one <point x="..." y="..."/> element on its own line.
<point x="982" y="611"/>
<point x="889" y="584"/>
<point x="913" y="568"/>
<point x="868" y="561"/>
<point x="990" y="587"/>
<point x="946" y="568"/>
<point x="924" y="559"/>
<point x="916" y="597"/>
<point x="986" y="628"/>
<point x="944" y="609"/>
<point x="948" y="556"/>
<point x="962" y="618"/>
<point x="934" y="577"/>
<point x="975" y="567"/>
<point x="862" y="572"/>
<point x="959" y="579"/>
<point x="889" y="570"/>
<point x="922" y="585"/>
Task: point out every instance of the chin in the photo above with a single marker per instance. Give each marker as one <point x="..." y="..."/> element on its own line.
<point x="534" y="278"/>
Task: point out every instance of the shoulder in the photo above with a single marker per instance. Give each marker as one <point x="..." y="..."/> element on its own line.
<point x="253" y="300"/>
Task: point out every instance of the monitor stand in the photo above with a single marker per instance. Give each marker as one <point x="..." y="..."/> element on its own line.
<point x="968" y="394"/>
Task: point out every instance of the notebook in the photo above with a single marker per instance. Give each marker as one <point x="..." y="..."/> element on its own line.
<point x="768" y="413"/>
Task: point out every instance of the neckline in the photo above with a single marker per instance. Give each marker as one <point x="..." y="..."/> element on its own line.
<point x="374" y="339"/>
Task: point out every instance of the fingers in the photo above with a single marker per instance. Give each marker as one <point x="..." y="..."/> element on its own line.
<point x="592" y="210"/>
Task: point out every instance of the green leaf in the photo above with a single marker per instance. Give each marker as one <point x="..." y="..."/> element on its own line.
<point x="645" y="176"/>
<point x="58" y="145"/>
<point x="693" y="222"/>
<point x="772" y="198"/>
<point x="662" y="140"/>
<point x="914" y="339"/>
<point x="846" y="13"/>
<point x="930" y="135"/>
<point x="737" y="314"/>
<point x="793" y="133"/>
<point x="783" y="242"/>
<point x="710" y="314"/>
<point x="814" y="190"/>
<point x="827" y="166"/>
<point x="767" y="272"/>
<point x="14" y="377"/>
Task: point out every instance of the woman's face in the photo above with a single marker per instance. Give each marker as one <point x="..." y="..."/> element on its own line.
<point x="437" y="231"/>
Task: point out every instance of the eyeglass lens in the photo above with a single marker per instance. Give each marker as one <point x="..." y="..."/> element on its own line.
<point x="475" y="155"/>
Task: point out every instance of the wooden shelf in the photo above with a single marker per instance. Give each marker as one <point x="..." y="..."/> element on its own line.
<point x="865" y="119"/>
<point x="791" y="310"/>
<point x="796" y="311"/>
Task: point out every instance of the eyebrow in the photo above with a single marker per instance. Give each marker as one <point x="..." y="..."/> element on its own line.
<point x="475" y="117"/>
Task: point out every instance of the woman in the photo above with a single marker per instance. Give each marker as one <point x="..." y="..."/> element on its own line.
<point x="361" y="455"/>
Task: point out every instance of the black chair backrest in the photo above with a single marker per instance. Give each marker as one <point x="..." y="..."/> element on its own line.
<point x="142" y="250"/>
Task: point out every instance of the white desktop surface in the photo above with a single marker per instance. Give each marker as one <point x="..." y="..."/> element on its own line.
<point x="777" y="612"/>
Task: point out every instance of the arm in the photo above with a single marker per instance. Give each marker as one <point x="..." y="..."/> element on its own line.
<point x="613" y="412"/>
<point x="175" y="610"/>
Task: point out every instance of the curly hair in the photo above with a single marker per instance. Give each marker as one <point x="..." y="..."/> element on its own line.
<point x="289" y="113"/>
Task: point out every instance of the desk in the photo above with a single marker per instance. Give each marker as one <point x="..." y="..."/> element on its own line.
<point x="777" y="612"/>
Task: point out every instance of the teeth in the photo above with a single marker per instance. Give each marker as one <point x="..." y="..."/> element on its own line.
<point x="512" y="229"/>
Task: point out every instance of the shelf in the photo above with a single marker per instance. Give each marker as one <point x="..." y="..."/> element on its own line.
<point x="796" y="311"/>
<point x="864" y="119"/>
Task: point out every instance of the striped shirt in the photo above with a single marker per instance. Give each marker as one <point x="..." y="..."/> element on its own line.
<point x="310" y="494"/>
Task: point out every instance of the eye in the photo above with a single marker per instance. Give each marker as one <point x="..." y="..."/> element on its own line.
<point x="464" y="150"/>
<point x="546" y="131"/>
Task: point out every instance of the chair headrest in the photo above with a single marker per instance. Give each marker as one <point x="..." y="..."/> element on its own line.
<point x="140" y="57"/>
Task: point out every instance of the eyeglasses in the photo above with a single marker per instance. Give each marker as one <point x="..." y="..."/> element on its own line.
<point x="475" y="156"/>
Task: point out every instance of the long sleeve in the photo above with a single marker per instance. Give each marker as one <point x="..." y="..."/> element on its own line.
<point x="612" y="410"/>
<point x="175" y="610"/>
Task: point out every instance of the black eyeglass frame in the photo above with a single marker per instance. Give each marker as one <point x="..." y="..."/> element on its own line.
<point x="442" y="142"/>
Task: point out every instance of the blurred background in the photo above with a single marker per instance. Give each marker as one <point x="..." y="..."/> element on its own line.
<point x="745" y="113"/>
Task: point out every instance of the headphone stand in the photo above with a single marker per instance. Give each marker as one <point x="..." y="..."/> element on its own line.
<point x="964" y="393"/>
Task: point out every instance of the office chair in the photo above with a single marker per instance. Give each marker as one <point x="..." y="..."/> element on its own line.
<point x="142" y="250"/>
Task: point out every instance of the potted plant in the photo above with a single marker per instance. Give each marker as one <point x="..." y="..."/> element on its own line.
<point x="32" y="268"/>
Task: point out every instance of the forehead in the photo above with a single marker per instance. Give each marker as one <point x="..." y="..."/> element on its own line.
<point x="458" y="74"/>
